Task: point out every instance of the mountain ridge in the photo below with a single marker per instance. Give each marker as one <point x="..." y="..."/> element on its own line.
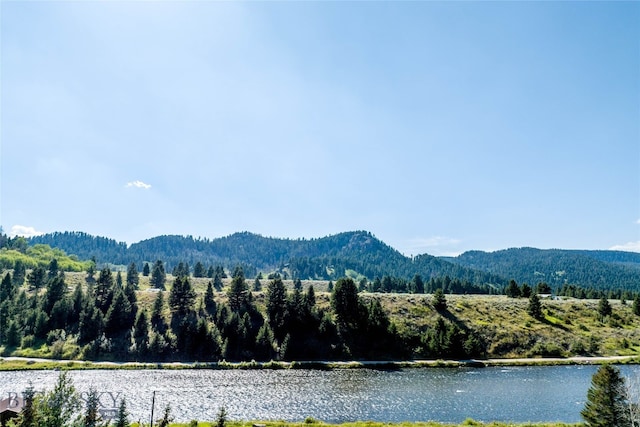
<point x="361" y="253"/>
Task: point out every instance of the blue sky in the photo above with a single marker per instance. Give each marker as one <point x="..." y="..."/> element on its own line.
<point x="438" y="126"/>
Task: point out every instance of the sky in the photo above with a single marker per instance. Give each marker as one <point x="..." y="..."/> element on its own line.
<point x="440" y="127"/>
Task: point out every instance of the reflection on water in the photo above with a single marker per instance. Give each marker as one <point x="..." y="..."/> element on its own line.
<point x="518" y="394"/>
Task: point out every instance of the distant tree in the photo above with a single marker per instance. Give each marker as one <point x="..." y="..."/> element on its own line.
<point x="439" y="300"/>
<point x="19" y="273"/>
<point x="535" y="307"/>
<point x="141" y="331"/>
<point x="146" y="270"/>
<point x="157" y="314"/>
<point x="103" y="290"/>
<point x="363" y="285"/>
<point x="209" y="301"/>
<point x="182" y="296"/>
<point x="217" y="283"/>
<point x="119" y="281"/>
<point x="604" y="308"/>
<point x="199" y="270"/>
<point x="36" y="278"/>
<point x="606" y="405"/>
<point x="310" y="297"/>
<point x="543" y="289"/>
<point x="211" y="272"/>
<point x="525" y="290"/>
<point x="132" y="275"/>
<point x="91" y="272"/>
<point x="257" y="286"/>
<point x="276" y="306"/>
<point x="330" y="286"/>
<point x="417" y="285"/>
<point x="238" y="291"/>
<point x="512" y="290"/>
<point x="158" y="275"/>
<point x="7" y="288"/>
<point x="118" y="317"/>
<point x="346" y="303"/>
<point x="297" y="284"/>
<point x="54" y="268"/>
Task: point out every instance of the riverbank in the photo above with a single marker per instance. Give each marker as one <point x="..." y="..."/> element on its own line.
<point x="315" y="423"/>
<point x="25" y="363"/>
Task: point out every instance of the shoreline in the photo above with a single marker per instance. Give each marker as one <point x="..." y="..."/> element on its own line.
<point x="28" y="363"/>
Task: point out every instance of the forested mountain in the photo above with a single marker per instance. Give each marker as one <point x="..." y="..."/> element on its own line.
<point x="596" y="269"/>
<point x="360" y="254"/>
<point x="329" y="257"/>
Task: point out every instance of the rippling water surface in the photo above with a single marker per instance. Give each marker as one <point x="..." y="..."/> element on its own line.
<point x="517" y="394"/>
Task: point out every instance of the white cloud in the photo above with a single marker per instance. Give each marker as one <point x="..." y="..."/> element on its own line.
<point x="628" y="247"/>
<point x="638" y="221"/>
<point x="138" y="184"/>
<point x="25" y="231"/>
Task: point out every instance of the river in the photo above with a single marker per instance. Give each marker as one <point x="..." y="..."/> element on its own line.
<point x="518" y="394"/>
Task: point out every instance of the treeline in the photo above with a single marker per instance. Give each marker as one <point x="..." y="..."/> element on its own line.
<point x="327" y="258"/>
<point x="603" y="270"/>
<point x="102" y="319"/>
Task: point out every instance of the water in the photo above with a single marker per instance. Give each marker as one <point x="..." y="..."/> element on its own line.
<point x="517" y="394"/>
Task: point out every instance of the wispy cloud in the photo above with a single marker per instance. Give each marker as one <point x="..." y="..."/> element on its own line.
<point x="638" y="221"/>
<point x="138" y="184"/>
<point x="25" y="231"/>
<point x="629" y="247"/>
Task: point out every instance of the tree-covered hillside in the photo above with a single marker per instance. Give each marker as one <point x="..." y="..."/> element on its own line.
<point x="594" y="269"/>
<point x="357" y="253"/>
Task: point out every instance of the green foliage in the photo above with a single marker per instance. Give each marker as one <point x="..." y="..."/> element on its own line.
<point x="221" y="419"/>
<point x="604" y="308"/>
<point x="439" y="300"/>
<point x="40" y="256"/>
<point x="512" y="290"/>
<point x="535" y="307"/>
<point x="158" y="275"/>
<point x="132" y="276"/>
<point x="606" y="405"/>
<point x="182" y="295"/>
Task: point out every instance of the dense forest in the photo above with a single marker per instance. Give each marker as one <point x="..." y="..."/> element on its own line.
<point x="358" y="254"/>
<point x="603" y="270"/>
<point x="103" y="319"/>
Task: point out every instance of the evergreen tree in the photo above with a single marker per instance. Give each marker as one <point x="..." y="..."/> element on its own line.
<point x="439" y="300"/>
<point x="91" y="414"/>
<point x="27" y="416"/>
<point x="56" y="289"/>
<point x="217" y="283"/>
<point x="636" y="305"/>
<point x="606" y="405"/>
<point x="276" y="306"/>
<point x="297" y="284"/>
<point x="158" y="275"/>
<point x="53" y="269"/>
<point x="91" y="272"/>
<point x="157" y="317"/>
<point x="221" y="419"/>
<point x="535" y="307"/>
<point x="238" y="291"/>
<point x="141" y="332"/>
<point x="211" y="272"/>
<point x="118" y="316"/>
<point x="257" y="286"/>
<point x="526" y="291"/>
<point x="146" y="270"/>
<point x="122" y="419"/>
<point x="346" y="303"/>
<point x="209" y="300"/>
<point x="417" y="284"/>
<point x="19" y="273"/>
<point x="604" y="308"/>
<point x="7" y="289"/>
<point x="198" y="270"/>
<point x="36" y="278"/>
<point x="103" y="290"/>
<point x="132" y="276"/>
<point x="119" y="280"/>
<point x="512" y="290"/>
<point x="182" y="296"/>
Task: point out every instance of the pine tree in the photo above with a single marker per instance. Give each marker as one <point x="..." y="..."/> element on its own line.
<point x="182" y="296"/>
<point x="606" y="405"/>
<point x="512" y="290"/>
<point x="19" y="273"/>
<point x="604" y="308"/>
<point x="103" y="291"/>
<point x="439" y="300"/>
<point x="146" y="270"/>
<point x="91" y="414"/>
<point x="238" y="291"/>
<point x="158" y="275"/>
<point x="198" y="270"/>
<point x="534" y="308"/>
<point x="636" y="305"/>
<point x="132" y="276"/>
<point x="122" y="419"/>
<point x="209" y="301"/>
